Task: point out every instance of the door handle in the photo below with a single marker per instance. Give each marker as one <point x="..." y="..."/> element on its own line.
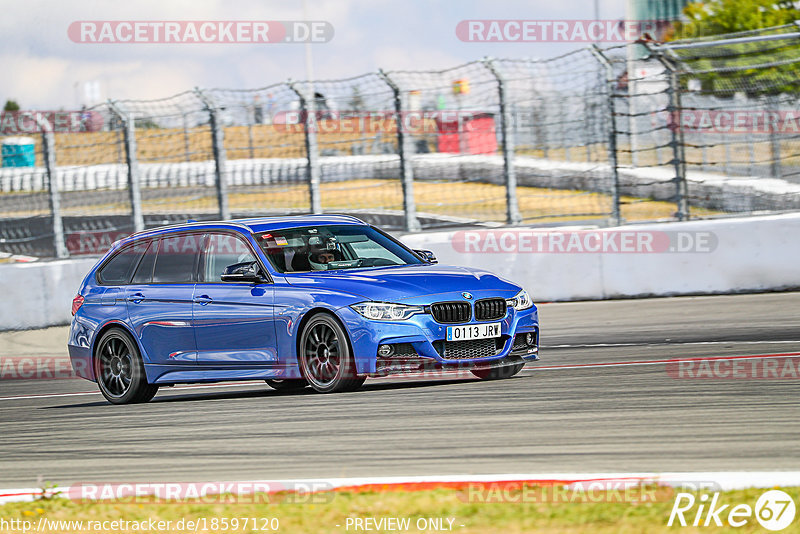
<point x="203" y="300"/>
<point x="136" y="298"/>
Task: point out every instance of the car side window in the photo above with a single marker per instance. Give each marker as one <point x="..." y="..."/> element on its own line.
<point x="176" y="259"/>
<point x="371" y="249"/>
<point x="144" y="272"/>
<point x="118" y="270"/>
<point x="223" y="250"/>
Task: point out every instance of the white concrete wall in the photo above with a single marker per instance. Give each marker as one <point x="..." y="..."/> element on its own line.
<point x="749" y="254"/>
<point x="35" y="295"/>
<point x="746" y="254"/>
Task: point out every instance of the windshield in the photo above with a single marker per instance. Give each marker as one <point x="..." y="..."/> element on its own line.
<point x="325" y="248"/>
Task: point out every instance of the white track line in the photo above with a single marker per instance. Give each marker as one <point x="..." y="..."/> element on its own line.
<point x="662" y="362"/>
<point x="721" y="481"/>
<point x="84" y="393"/>
<point x="413" y="376"/>
<point x="664" y="343"/>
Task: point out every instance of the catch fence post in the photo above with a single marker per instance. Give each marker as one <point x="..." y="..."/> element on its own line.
<point x="513" y="215"/>
<point x="410" y="221"/>
<point x="132" y="162"/>
<point x="677" y="142"/>
<point x="308" y="108"/>
<point x="49" y="153"/>
<point x="220" y="158"/>
<point x="616" y="214"/>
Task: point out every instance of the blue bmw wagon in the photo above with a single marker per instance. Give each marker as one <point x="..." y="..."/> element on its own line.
<point x="323" y="301"/>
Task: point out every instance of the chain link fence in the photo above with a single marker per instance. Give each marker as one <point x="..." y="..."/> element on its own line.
<point x="561" y="123"/>
<point x="739" y="118"/>
<point x="265" y="157"/>
<point x="26" y="226"/>
<point x="696" y="128"/>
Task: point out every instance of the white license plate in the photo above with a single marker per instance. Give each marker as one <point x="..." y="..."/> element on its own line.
<point x="473" y="331"/>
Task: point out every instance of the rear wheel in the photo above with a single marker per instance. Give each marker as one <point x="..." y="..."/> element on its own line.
<point x="325" y="358"/>
<point x="120" y="371"/>
<point x="496" y="373"/>
<point x="287" y="384"/>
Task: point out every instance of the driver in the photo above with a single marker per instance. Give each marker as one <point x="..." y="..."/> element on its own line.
<point x="319" y="259"/>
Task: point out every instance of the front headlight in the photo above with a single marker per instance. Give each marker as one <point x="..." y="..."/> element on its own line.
<point x="521" y="301"/>
<point x="385" y="311"/>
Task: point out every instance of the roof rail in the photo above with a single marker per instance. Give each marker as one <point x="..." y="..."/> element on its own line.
<point x="189" y="224"/>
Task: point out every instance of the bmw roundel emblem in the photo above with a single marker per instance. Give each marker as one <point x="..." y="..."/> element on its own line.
<point x="466" y="295"/>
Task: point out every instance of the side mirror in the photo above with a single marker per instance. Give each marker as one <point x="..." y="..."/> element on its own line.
<point x="242" y="272"/>
<point x="427" y="255"/>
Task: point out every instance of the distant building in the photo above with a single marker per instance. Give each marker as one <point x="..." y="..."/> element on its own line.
<point x="658" y="10"/>
<point x="662" y="12"/>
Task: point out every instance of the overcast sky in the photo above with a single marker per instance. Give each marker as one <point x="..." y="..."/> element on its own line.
<point x="44" y="69"/>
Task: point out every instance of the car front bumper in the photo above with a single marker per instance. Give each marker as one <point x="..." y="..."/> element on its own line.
<point x="423" y="341"/>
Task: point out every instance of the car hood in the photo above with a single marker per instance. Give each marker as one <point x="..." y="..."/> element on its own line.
<point x="412" y="284"/>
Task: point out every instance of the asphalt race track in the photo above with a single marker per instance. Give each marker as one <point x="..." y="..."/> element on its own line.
<point x="562" y="414"/>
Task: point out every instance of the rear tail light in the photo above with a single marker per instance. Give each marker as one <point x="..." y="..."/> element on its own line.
<point x="77" y="302"/>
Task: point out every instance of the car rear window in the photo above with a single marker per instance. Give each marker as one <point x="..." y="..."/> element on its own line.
<point x="144" y="272"/>
<point x="118" y="270"/>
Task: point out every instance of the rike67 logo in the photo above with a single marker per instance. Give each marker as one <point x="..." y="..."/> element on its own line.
<point x="774" y="510"/>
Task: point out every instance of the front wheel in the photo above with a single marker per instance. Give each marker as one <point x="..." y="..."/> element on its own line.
<point x="325" y="358"/>
<point x="496" y="373"/>
<point x="120" y="371"/>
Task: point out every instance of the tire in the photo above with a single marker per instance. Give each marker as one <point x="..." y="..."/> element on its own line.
<point x="287" y="384"/>
<point x="356" y="383"/>
<point x="497" y="373"/>
<point x="119" y="369"/>
<point x="325" y="358"/>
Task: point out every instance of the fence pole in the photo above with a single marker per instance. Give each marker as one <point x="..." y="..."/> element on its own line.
<point x="410" y="222"/>
<point x="307" y="105"/>
<point x="132" y="162"/>
<point x="507" y="144"/>
<point x="677" y="143"/>
<point x="49" y="153"/>
<point x="543" y="132"/>
<point x="186" y="145"/>
<point x="588" y="127"/>
<point x="774" y="140"/>
<point x="562" y="130"/>
<point x="616" y="214"/>
<point x="678" y="146"/>
<point x="220" y="160"/>
<point x="633" y="140"/>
